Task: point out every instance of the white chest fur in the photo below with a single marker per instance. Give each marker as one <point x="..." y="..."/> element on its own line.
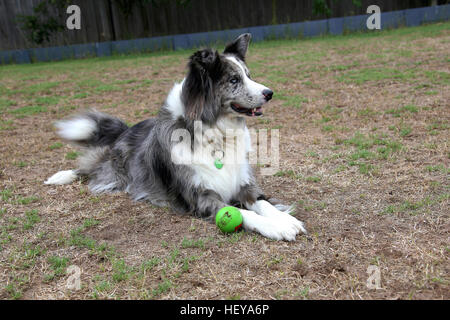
<point x="211" y="142"/>
<point x="228" y="138"/>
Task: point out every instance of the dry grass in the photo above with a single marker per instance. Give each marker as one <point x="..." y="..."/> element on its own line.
<point x="364" y="126"/>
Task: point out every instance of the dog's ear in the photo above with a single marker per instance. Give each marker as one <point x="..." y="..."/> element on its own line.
<point x="239" y="46"/>
<point x="206" y="59"/>
<point x="198" y="88"/>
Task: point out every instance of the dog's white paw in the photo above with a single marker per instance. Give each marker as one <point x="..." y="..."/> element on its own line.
<point x="298" y="225"/>
<point x="62" y="177"/>
<point x="284" y="231"/>
<point x="280" y="231"/>
<point x="268" y="227"/>
<point x="280" y="213"/>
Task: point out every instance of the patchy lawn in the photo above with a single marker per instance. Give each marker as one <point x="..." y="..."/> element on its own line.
<point x="364" y="128"/>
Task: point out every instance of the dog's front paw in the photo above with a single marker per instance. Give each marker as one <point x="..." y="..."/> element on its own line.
<point x="298" y="225"/>
<point x="280" y="231"/>
<point x="285" y="212"/>
<point x="284" y="231"/>
<point x="269" y="228"/>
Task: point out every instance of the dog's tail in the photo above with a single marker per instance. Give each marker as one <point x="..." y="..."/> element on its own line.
<point x="91" y="129"/>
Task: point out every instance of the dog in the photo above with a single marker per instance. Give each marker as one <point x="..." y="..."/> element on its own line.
<point x="145" y="160"/>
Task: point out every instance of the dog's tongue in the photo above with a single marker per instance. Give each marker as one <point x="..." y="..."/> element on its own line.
<point x="258" y="110"/>
<point x="254" y="112"/>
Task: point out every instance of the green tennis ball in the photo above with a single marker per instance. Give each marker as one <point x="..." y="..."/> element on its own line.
<point x="229" y="219"/>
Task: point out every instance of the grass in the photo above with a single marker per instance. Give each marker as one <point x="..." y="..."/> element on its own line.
<point x="438" y="168"/>
<point x="56" y="145"/>
<point x="369" y="148"/>
<point x="41" y="88"/>
<point x="398" y="112"/>
<point x="313" y="179"/>
<point x="5" y="194"/>
<point x="405" y="131"/>
<point x="58" y="266"/>
<point x="26" y="200"/>
<point x="295" y="101"/>
<point x="363" y="155"/>
<point x="28" y="111"/>
<point x="149" y="264"/>
<point x="413" y="207"/>
<point x="31" y="218"/>
<point x="288" y="173"/>
<point x="437" y="126"/>
<point x="81" y="95"/>
<point x="47" y="100"/>
<point x="72" y="155"/>
<point x="367" y="113"/>
<point x="107" y="88"/>
<point x="190" y="243"/>
<point x="364" y="142"/>
<point x="121" y="271"/>
<point x="364" y="75"/>
<point x="8" y="196"/>
<point x="21" y="164"/>
<point x="5" y="104"/>
<point x="364" y="168"/>
<point x="88" y="223"/>
<point x="6" y="125"/>
<point x="79" y="240"/>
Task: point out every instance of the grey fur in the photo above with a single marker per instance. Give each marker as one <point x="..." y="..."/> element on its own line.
<point x="137" y="160"/>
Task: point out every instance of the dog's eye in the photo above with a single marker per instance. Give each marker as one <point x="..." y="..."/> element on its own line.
<point x="234" y="80"/>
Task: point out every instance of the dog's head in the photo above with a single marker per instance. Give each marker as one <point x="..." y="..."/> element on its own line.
<point x="220" y="84"/>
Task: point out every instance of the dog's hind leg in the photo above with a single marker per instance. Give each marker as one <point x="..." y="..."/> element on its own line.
<point x="94" y="131"/>
<point x="62" y="177"/>
<point x="87" y="163"/>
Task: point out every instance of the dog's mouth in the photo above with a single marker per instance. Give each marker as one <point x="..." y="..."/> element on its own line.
<point x="254" y="112"/>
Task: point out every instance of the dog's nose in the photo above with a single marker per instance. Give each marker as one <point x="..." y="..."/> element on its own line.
<point x="267" y="93"/>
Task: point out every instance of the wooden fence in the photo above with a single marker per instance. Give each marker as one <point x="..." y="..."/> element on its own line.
<point x="103" y="20"/>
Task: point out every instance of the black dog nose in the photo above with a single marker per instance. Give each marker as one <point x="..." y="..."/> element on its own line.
<point x="267" y="93"/>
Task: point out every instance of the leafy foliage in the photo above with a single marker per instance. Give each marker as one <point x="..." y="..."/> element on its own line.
<point x="320" y="7"/>
<point x="42" y="24"/>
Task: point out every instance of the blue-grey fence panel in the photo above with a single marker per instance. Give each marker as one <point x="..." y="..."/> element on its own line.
<point x="393" y="19"/>
<point x="334" y="26"/>
<point x="142" y="45"/>
<point x="259" y="33"/>
<point x="315" y="28"/>
<point x="14" y="56"/>
<point x="355" y="23"/>
<point x="84" y="50"/>
<point x="103" y="49"/>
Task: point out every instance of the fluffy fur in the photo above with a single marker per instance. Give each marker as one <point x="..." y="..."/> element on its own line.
<point x="152" y="162"/>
